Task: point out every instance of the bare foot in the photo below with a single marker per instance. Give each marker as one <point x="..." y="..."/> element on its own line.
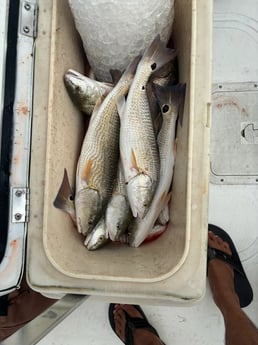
<point x="221" y="276"/>
<point x="140" y="336"/>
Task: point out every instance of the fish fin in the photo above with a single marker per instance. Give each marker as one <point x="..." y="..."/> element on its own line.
<point x="121" y="106"/>
<point x="134" y="161"/>
<point x="86" y="173"/>
<point x="64" y="200"/>
<point x="98" y="103"/>
<point x="116" y="75"/>
<point x="158" y="54"/>
<point x="131" y="68"/>
<point x="64" y="193"/>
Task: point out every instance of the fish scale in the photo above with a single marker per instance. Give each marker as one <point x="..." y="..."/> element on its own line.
<point x="105" y="131"/>
<point x="146" y="148"/>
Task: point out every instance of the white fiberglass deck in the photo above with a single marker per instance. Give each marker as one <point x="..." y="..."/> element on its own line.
<point x="233" y="207"/>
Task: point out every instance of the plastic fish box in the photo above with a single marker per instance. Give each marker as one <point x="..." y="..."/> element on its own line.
<point x="172" y="268"/>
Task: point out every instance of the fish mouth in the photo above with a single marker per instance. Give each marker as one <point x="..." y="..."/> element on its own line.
<point x="72" y="73"/>
<point x="71" y="77"/>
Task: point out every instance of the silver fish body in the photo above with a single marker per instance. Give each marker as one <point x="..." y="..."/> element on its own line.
<point x="98" y="162"/>
<point x="84" y="91"/>
<point x="138" y="147"/>
<point x="169" y="99"/>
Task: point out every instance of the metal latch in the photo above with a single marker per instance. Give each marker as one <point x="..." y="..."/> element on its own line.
<point x="250" y="133"/>
<point x="28" y="19"/>
<point x="20" y="205"/>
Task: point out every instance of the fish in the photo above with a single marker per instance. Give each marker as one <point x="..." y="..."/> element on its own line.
<point x="138" y="146"/>
<point x="118" y="213"/>
<point x="97" y="238"/>
<point x="170" y="99"/>
<point x="98" y="161"/>
<point x="65" y="198"/>
<point x="83" y="91"/>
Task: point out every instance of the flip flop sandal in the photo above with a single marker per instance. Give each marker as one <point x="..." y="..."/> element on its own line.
<point x="241" y="283"/>
<point x="131" y="324"/>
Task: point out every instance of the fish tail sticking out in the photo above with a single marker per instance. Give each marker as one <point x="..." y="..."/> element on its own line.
<point x="116" y="75"/>
<point x="128" y="73"/>
<point x="65" y="198"/>
<point x="131" y="68"/>
<point x="158" y="54"/>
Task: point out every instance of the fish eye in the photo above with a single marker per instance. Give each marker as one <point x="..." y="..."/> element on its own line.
<point x="118" y="226"/>
<point x="165" y="108"/>
<point x="101" y="238"/>
<point x="143" y="87"/>
<point x="71" y="198"/>
<point x="90" y="222"/>
<point x="153" y="66"/>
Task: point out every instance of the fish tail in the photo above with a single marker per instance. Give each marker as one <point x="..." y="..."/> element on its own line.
<point x="158" y="54"/>
<point x="65" y="198"/>
<point x="116" y="75"/>
<point x="131" y="68"/>
<point x="64" y="193"/>
<point x="169" y="96"/>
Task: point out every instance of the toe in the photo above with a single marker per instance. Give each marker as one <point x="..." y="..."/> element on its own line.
<point x="217" y="242"/>
<point x="119" y="319"/>
<point x="131" y="310"/>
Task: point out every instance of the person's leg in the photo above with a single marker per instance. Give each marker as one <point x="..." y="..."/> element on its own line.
<point x="239" y="329"/>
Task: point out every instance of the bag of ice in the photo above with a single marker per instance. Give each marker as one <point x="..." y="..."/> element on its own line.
<point x="115" y="31"/>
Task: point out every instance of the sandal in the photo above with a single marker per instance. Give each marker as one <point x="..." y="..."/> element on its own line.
<point x="131" y="324"/>
<point x="241" y="283"/>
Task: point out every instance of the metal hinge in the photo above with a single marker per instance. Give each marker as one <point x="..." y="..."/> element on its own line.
<point x="29" y="18"/>
<point x="20" y="205"/>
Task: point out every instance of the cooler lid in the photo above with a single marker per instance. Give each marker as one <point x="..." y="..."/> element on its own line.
<point x="17" y="59"/>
